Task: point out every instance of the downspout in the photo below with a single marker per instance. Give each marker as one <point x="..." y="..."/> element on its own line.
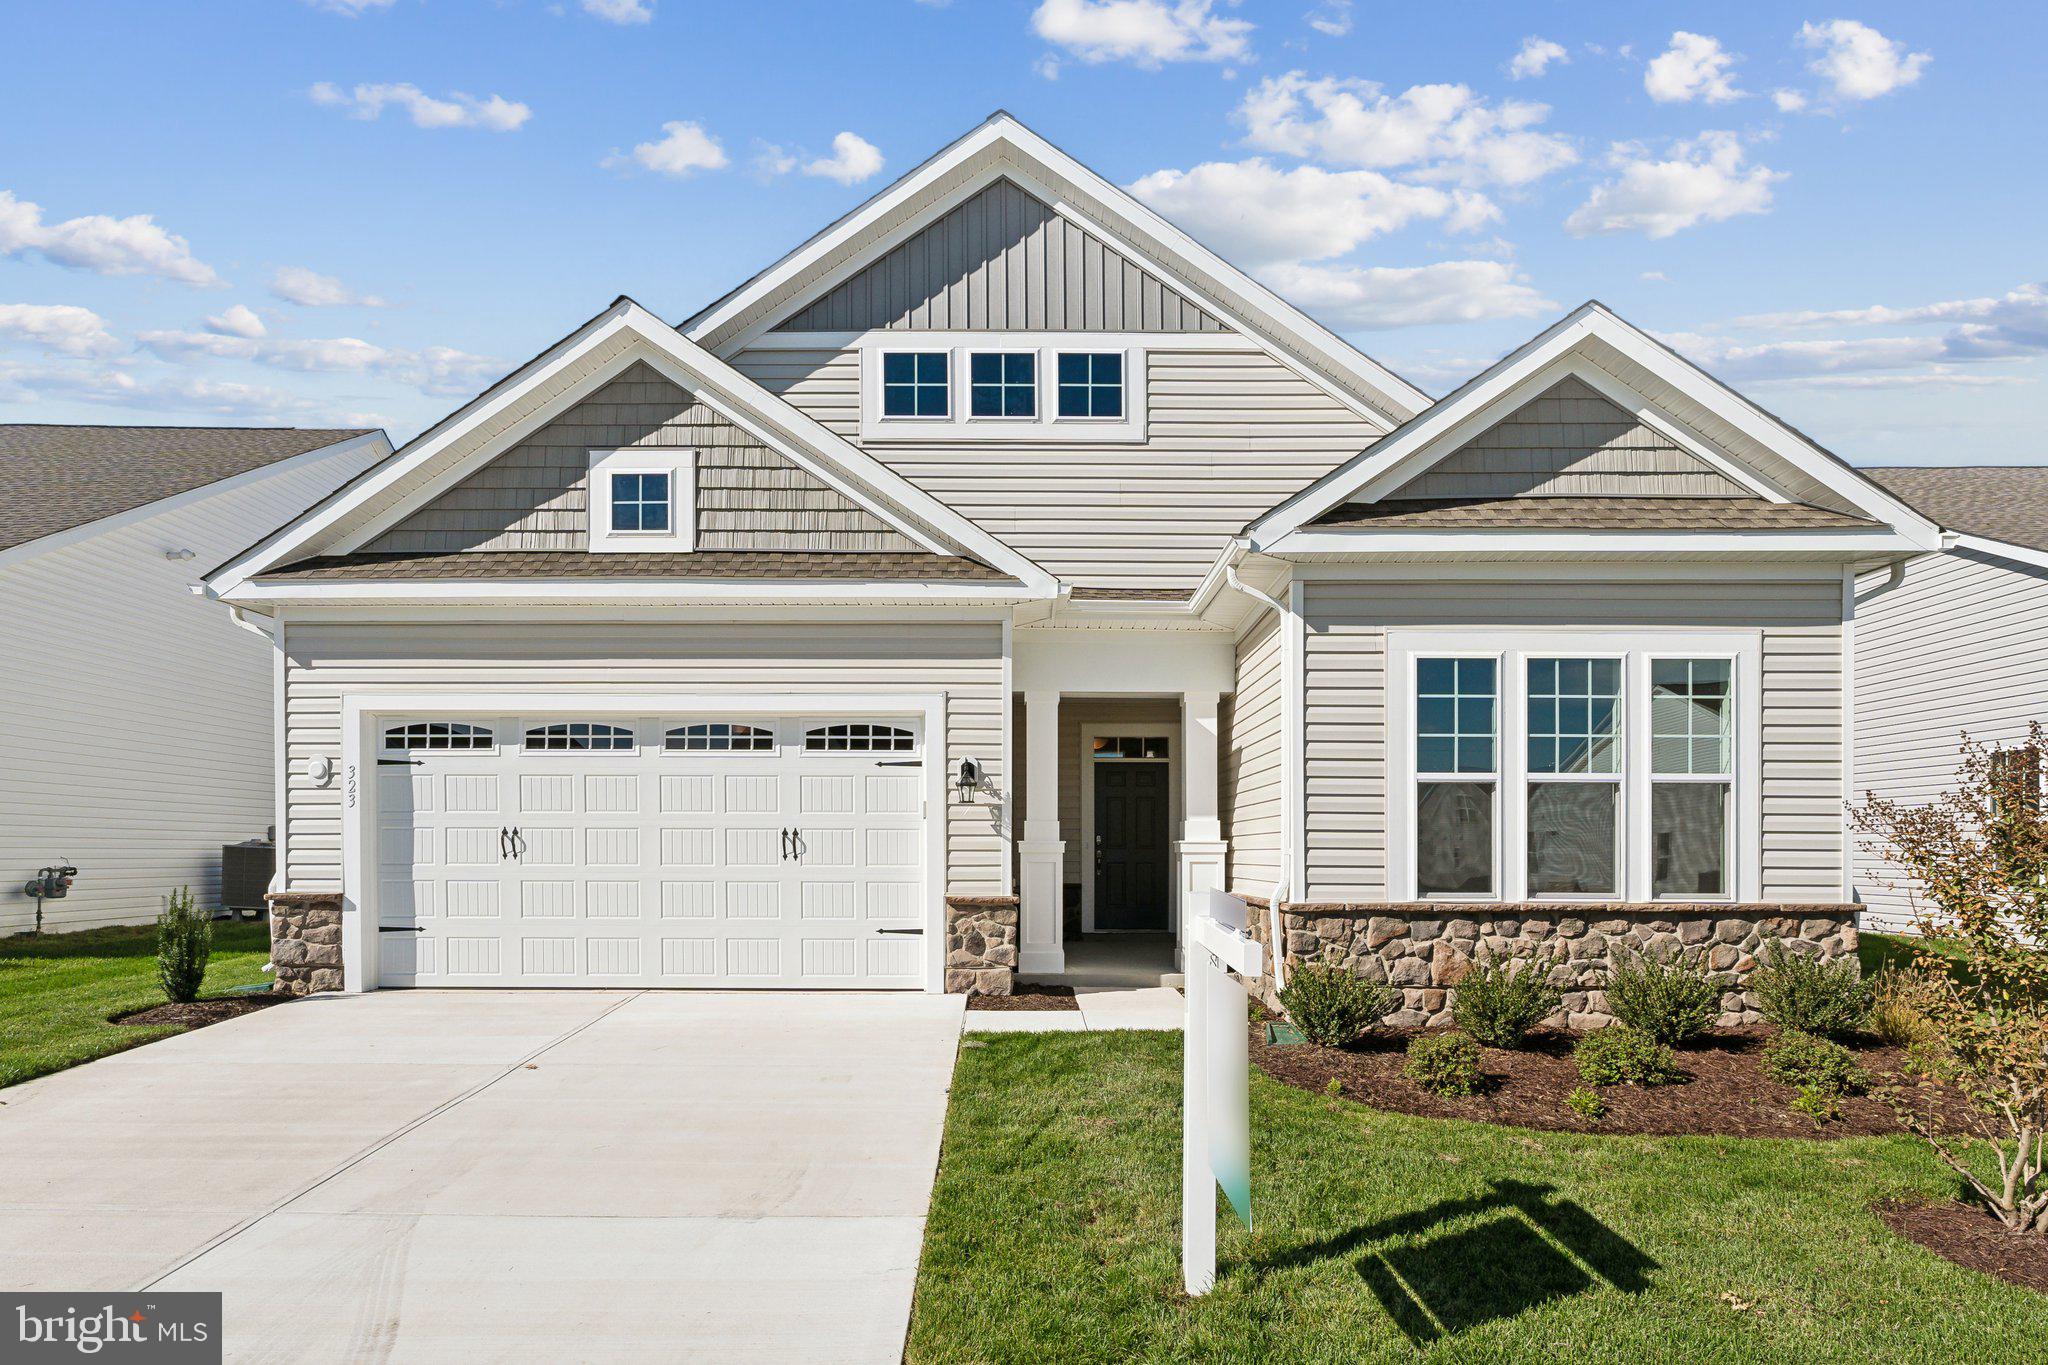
<point x="1280" y="886"/>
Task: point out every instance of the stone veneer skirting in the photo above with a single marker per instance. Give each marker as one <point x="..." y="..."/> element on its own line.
<point x="981" y="945"/>
<point x="305" y="941"/>
<point x="1426" y="948"/>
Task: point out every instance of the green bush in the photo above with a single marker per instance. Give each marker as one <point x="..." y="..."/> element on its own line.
<point x="1334" y="1007"/>
<point x="1898" y="999"/>
<point x="1806" y="995"/>
<point x="1670" y="1001"/>
<point x="1587" y="1103"/>
<point x="1625" y="1056"/>
<point x="1445" y="1064"/>
<point x="1822" y="1106"/>
<point x="1806" y="1062"/>
<point x="184" y="941"/>
<point x="1498" y="1004"/>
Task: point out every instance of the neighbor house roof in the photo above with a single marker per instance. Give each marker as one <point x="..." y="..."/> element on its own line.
<point x="865" y="566"/>
<point x="53" y="478"/>
<point x="1589" y="514"/>
<point x="1996" y="502"/>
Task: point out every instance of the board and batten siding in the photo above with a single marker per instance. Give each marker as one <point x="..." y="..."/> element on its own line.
<point x="963" y="660"/>
<point x="1253" y="761"/>
<point x="136" y="728"/>
<point x="1345" y="700"/>
<point x="1230" y="434"/>
<point x="1959" y="645"/>
<point x="535" y="496"/>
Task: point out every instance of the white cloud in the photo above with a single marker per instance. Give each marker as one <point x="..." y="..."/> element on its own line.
<point x="853" y="160"/>
<point x="1788" y="101"/>
<point x="240" y="320"/>
<point x="106" y="246"/>
<point x="683" y="150"/>
<point x="1654" y="277"/>
<point x="64" y="328"/>
<point x="1857" y="61"/>
<point x="1047" y="67"/>
<point x="1701" y="181"/>
<point x="1694" y="67"/>
<point x="2025" y="306"/>
<point x="1255" y="213"/>
<point x="311" y="289"/>
<point x="1471" y="211"/>
<point x="1332" y="17"/>
<point x="351" y="8"/>
<point x="118" y="386"/>
<point x="1445" y="131"/>
<point x="1146" y="33"/>
<point x="621" y="11"/>
<point x="495" y="113"/>
<point x="1534" y="58"/>
<point x="1379" y="297"/>
<point x="771" y="159"/>
<point x="435" y="369"/>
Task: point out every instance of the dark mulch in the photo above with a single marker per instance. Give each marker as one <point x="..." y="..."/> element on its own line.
<point x="200" y="1013"/>
<point x="1970" y="1237"/>
<point x="1030" y="998"/>
<point x="1726" y="1095"/>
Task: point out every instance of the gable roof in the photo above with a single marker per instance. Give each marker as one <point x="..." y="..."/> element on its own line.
<point x="1755" y="450"/>
<point x="57" y="477"/>
<point x="624" y="333"/>
<point x="2007" y="503"/>
<point x="1003" y="148"/>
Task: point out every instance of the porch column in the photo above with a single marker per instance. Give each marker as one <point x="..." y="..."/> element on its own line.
<point x="1041" y="854"/>
<point x="1200" y="851"/>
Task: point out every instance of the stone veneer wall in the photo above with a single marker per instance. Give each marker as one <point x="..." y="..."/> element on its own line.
<point x="1425" y="949"/>
<point x="981" y="945"/>
<point x="305" y="941"/>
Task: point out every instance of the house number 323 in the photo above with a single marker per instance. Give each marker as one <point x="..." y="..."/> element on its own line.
<point x="351" y="786"/>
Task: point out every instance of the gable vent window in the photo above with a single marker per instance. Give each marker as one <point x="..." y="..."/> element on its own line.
<point x="1091" y="384"/>
<point x="859" y="737"/>
<point x="437" y="734"/>
<point x="640" y="502"/>
<point x="578" y="736"/>
<point x="1002" y="384"/>
<point x="914" y="384"/>
<point x="721" y="737"/>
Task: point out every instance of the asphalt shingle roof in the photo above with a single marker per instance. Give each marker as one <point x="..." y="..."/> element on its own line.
<point x="544" y="564"/>
<point x="1587" y="514"/>
<point x="1997" y="502"/>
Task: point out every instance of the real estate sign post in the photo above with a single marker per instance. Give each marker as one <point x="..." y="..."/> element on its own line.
<point x="1215" y="1094"/>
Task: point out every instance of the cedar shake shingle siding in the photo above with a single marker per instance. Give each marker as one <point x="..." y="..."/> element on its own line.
<point x="1587" y="514"/>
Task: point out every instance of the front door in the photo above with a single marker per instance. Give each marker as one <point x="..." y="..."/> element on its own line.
<point x="1131" y="853"/>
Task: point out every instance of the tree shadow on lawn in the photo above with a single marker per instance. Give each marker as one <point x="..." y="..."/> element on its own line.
<point x="1534" y="1248"/>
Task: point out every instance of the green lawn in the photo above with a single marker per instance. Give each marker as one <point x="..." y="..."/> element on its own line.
<point x="1879" y="951"/>
<point x="1054" y="1235"/>
<point x="57" y="990"/>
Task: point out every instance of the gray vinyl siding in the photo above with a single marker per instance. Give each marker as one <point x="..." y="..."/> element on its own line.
<point x="1571" y="441"/>
<point x="535" y="496"/>
<point x="1253" y="795"/>
<point x="1230" y="434"/>
<point x="1345" y="702"/>
<point x="1002" y="260"/>
<point x="1961" y="644"/>
<point x="963" y="660"/>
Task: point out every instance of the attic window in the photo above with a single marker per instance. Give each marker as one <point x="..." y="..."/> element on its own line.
<point x="643" y="500"/>
<point x="640" y="502"/>
<point x="1035" y="387"/>
<point x="914" y="384"/>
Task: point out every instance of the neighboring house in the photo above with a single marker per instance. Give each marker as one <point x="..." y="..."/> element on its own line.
<point x="1948" y="643"/>
<point x="135" y="721"/>
<point x="1002" y="547"/>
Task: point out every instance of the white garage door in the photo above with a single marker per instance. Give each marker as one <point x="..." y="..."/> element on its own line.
<point x="726" y="851"/>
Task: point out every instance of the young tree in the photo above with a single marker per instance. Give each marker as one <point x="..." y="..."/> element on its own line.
<point x="1976" y="862"/>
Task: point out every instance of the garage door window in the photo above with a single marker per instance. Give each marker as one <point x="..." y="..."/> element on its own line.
<point x="859" y="737"/>
<point x="721" y="737"/>
<point x="437" y="734"/>
<point x="578" y="736"/>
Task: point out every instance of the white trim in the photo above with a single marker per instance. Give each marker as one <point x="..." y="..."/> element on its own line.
<point x="541" y="591"/>
<point x="1640" y="570"/>
<point x="717" y="613"/>
<point x="281" y="758"/>
<point x="1294" y="749"/>
<point x="678" y="466"/>
<point x="1847" y="737"/>
<point x="961" y="425"/>
<point x="2004" y="549"/>
<point x="903" y="338"/>
<point x="1168" y="730"/>
<point x="1507" y="540"/>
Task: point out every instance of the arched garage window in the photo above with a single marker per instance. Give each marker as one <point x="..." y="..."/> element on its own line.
<point x="578" y="736"/>
<point x="437" y="734"/>
<point x="721" y="737"/>
<point x="859" y="737"/>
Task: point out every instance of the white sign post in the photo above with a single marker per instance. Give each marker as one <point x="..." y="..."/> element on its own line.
<point x="1215" y="1097"/>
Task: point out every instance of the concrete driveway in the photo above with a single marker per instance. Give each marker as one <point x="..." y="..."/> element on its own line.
<point x="436" y="1176"/>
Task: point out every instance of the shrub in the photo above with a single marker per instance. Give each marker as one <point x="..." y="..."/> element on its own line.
<point x="1822" y="1106"/>
<point x="1587" y="1103"/>
<point x="1445" y="1064"/>
<point x="1333" y="1007"/>
<point x="1806" y="1062"/>
<point x="1670" y="1001"/>
<point x="1333" y="1087"/>
<point x="1624" y="1056"/>
<point x="1898" y="1005"/>
<point x="1498" y="1004"/>
<point x="1806" y="995"/>
<point x="184" y="941"/>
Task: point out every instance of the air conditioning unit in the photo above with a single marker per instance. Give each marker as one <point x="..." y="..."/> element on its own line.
<point x="245" y="872"/>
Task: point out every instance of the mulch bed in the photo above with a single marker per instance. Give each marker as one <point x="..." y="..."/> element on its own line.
<point x="1032" y="998"/>
<point x="200" y="1013"/>
<point x="1727" y="1094"/>
<point x="1970" y="1237"/>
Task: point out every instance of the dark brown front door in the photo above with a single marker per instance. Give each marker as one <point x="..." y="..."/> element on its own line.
<point x="1131" y="854"/>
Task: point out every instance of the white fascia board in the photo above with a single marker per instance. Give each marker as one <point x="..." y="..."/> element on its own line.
<point x="2004" y="549"/>
<point x="1688" y="544"/>
<point x="620" y="590"/>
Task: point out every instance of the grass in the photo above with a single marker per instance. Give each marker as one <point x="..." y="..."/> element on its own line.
<point x="1053" y="1235"/>
<point x="57" y="990"/>
<point x="1879" y="951"/>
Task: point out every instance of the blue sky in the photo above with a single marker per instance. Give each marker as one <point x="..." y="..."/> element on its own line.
<point x="366" y="210"/>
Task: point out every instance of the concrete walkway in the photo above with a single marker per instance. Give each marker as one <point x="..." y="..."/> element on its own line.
<point x="1102" y="1007"/>
<point x="441" y="1176"/>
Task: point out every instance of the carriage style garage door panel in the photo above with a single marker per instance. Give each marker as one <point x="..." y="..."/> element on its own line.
<point x="728" y="851"/>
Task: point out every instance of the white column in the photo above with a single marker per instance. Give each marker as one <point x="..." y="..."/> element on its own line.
<point x="1041" y="854"/>
<point x="1200" y="851"/>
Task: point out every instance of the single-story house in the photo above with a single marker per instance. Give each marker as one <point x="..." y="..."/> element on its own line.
<point x="135" y="716"/>
<point x="1946" y="644"/>
<point x="1002" y="546"/>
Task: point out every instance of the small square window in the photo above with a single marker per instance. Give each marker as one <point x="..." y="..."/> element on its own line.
<point x="914" y="384"/>
<point x="1091" y="384"/>
<point x="1002" y="385"/>
<point x="640" y="502"/>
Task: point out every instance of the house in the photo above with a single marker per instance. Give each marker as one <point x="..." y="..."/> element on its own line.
<point x="1948" y="644"/>
<point x="135" y="717"/>
<point x="1002" y="547"/>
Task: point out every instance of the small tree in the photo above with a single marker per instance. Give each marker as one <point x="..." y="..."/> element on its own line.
<point x="184" y="941"/>
<point x="1976" y="862"/>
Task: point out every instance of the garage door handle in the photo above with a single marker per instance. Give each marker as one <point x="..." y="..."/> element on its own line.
<point x="899" y="931"/>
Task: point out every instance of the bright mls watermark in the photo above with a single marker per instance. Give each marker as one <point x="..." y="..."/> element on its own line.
<point x="176" y="1329"/>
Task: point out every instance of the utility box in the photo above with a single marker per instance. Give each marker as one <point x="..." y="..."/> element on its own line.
<point x="245" y="872"/>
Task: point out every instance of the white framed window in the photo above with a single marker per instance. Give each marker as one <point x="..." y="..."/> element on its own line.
<point x="579" y="737"/>
<point x="1010" y="386"/>
<point x="916" y="385"/>
<point x="859" y="737"/>
<point x="438" y="736"/>
<point x="720" y="737"/>
<point x="1574" y="766"/>
<point x="1091" y="384"/>
<point x="643" y="501"/>
<point x="1003" y="385"/>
